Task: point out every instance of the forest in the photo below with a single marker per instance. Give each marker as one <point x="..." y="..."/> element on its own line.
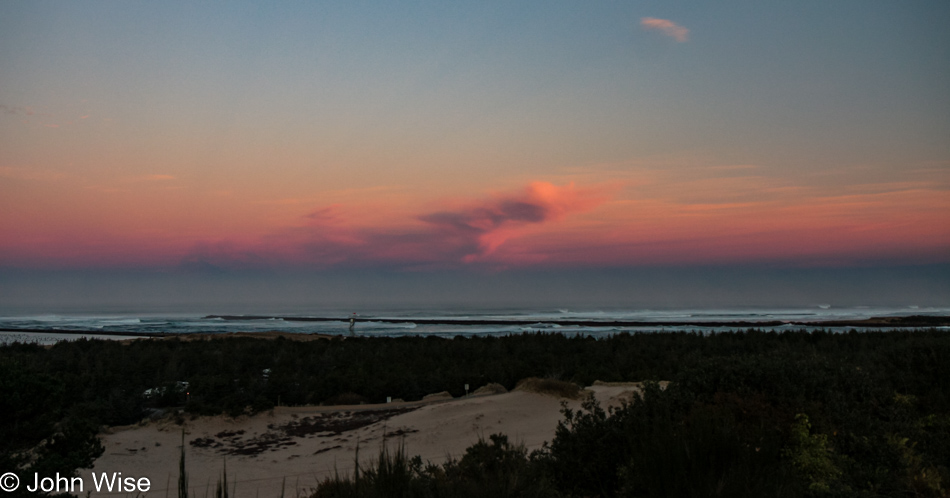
<point x="746" y="413"/>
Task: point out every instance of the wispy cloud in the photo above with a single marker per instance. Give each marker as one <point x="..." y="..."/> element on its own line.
<point x="43" y="117"/>
<point x="326" y="215"/>
<point x="24" y="110"/>
<point x="456" y="235"/>
<point x="30" y="174"/>
<point x="667" y="27"/>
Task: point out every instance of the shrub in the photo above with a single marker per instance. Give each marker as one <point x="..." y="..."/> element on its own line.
<point x="553" y="387"/>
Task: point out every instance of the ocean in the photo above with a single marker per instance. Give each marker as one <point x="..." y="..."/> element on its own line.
<point x="47" y="328"/>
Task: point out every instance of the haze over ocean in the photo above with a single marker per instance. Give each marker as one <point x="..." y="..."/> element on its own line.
<point x="190" y="158"/>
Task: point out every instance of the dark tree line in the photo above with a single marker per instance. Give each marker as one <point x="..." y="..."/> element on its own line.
<point x="821" y="412"/>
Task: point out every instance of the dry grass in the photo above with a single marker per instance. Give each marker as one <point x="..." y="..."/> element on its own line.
<point x="490" y="389"/>
<point x="638" y="385"/>
<point x="552" y="387"/>
<point x="437" y="396"/>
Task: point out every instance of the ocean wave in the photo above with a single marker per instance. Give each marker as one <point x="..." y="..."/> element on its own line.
<point x="384" y="325"/>
<point x="405" y="322"/>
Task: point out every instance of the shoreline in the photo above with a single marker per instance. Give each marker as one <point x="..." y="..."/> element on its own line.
<point x="91" y="332"/>
<point x="906" y="321"/>
<point x="900" y="322"/>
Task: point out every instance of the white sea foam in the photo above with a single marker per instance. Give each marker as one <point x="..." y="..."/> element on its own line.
<point x="54" y="324"/>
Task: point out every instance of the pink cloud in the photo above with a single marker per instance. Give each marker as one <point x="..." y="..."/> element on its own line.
<point x="486" y="226"/>
<point x="325" y="216"/>
<point x="459" y="235"/>
<point x="669" y="28"/>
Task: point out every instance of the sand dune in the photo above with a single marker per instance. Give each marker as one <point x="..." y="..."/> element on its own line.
<point x="299" y="446"/>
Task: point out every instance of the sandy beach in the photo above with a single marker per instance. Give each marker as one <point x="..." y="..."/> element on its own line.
<point x="296" y="447"/>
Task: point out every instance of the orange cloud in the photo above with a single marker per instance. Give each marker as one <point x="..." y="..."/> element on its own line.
<point x="677" y="214"/>
<point x="669" y="28"/>
<point x="487" y="225"/>
<point x="889" y="222"/>
<point x="463" y="234"/>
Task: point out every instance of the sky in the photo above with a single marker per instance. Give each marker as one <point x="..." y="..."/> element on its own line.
<point x="455" y="142"/>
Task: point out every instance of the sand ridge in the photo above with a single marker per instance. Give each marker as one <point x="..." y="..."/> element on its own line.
<point x="298" y="446"/>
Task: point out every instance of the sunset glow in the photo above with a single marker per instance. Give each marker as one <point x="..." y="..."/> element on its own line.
<point x="421" y="139"/>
